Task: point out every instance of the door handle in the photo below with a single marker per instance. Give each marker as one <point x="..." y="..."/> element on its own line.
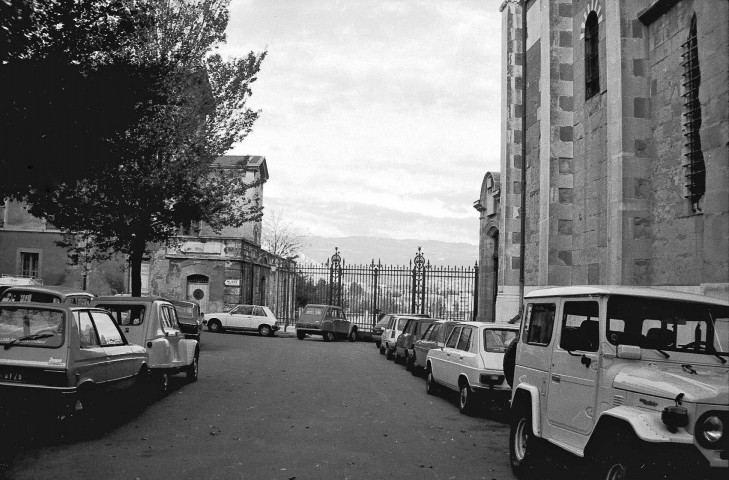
<point x="448" y="354"/>
<point x="556" y="378"/>
<point x="461" y="357"/>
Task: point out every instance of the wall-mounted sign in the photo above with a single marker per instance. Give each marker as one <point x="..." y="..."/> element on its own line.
<point x="232" y="283"/>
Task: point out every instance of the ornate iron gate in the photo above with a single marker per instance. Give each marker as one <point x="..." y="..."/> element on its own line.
<point x="366" y="291"/>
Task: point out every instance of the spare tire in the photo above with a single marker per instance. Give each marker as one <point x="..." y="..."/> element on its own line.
<point x="510" y="362"/>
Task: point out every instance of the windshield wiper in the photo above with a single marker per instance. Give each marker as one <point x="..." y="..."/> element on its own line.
<point x="662" y="352"/>
<point x="35" y="336"/>
<point x="716" y="354"/>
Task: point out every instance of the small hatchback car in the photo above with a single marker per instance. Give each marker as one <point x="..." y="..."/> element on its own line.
<point x="190" y="318"/>
<point x="57" y="359"/>
<point x="634" y="379"/>
<point x="152" y="323"/>
<point x="393" y="330"/>
<point x="434" y="337"/>
<point x="414" y="330"/>
<point x="326" y="320"/>
<point x="244" y="318"/>
<point x="471" y="363"/>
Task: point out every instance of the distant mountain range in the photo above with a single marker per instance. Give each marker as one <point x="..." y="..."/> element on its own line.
<point x="362" y="250"/>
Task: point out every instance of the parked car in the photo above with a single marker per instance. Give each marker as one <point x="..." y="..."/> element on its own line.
<point x="58" y="358"/>
<point x="153" y="323"/>
<point x="379" y="328"/>
<point x="471" y="363"/>
<point x="190" y="318"/>
<point x="634" y="379"/>
<point x="393" y="330"/>
<point x="326" y="320"/>
<point x="434" y="337"/>
<point x="244" y="318"/>
<point x="47" y="294"/>
<point x="414" y="330"/>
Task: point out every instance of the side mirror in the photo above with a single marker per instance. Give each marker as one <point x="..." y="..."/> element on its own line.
<point x="629" y="352"/>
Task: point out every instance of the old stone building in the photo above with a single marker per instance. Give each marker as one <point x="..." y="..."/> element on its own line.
<point x="626" y="151"/>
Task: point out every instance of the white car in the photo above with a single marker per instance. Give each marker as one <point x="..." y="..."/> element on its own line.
<point x="393" y="330"/>
<point x="250" y="318"/>
<point x="471" y="362"/>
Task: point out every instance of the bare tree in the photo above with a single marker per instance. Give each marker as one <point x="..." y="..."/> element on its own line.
<point x="282" y="237"/>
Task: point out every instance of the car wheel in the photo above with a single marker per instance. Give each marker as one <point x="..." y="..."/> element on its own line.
<point x="523" y="445"/>
<point x="409" y="363"/>
<point x="300" y="335"/>
<point x="353" y="336"/>
<point x="382" y="349"/>
<point x="264" y="330"/>
<point x="328" y="336"/>
<point x="377" y="344"/>
<point x="390" y="353"/>
<point x="192" y="370"/>
<point x="215" y="326"/>
<point x="466" y="399"/>
<point x="619" y="459"/>
<point x="163" y="383"/>
<point x="431" y="386"/>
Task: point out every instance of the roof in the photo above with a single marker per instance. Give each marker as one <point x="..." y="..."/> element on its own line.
<point x="648" y="292"/>
<point x="320" y="305"/>
<point x="128" y="299"/>
<point x="251" y="163"/>
<point x="59" y="289"/>
<point x="508" y="326"/>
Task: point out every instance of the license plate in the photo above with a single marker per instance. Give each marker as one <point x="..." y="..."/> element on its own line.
<point x="11" y="377"/>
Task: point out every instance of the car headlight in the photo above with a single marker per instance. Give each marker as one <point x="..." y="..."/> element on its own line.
<point x="712" y="429"/>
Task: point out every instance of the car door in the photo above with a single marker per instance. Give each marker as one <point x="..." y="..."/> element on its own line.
<point x="258" y="317"/>
<point x="91" y="360"/>
<point x="443" y="363"/>
<point x="239" y="317"/>
<point x="173" y="335"/>
<point x="423" y="347"/>
<point x="466" y="356"/>
<point x="573" y="377"/>
<point x="119" y="355"/>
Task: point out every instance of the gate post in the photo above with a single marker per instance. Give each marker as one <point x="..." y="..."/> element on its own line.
<point x="375" y="272"/>
<point x="418" y="283"/>
<point x="335" y="268"/>
<point x="475" y="290"/>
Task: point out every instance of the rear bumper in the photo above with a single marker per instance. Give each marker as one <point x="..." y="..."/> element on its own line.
<point x="20" y="397"/>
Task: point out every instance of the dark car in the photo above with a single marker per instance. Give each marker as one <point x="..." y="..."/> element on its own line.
<point x="326" y="320"/>
<point x="379" y="328"/>
<point x="58" y="358"/>
<point x="414" y="330"/>
<point x="47" y="294"/>
<point x="434" y="337"/>
<point x="189" y="317"/>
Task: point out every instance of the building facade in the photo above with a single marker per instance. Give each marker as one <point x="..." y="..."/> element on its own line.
<point x="626" y="152"/>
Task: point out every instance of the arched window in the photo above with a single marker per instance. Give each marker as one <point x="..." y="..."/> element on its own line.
<point x="695" y="170"/>
<point x="592" y="56"/>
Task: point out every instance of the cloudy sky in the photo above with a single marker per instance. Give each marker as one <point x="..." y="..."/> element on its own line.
<point x="379" y="117"/>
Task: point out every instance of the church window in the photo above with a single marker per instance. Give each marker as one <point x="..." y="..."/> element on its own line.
<point x="694" y="168"/>
<point x="592" y="56"/>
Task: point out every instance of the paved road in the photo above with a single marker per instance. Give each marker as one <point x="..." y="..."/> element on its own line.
<point x="276" y="408"/>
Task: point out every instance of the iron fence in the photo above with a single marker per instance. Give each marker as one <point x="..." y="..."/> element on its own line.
<point x="366" y="291"/>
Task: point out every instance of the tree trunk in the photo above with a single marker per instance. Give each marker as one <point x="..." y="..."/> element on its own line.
<point x="135" y="260"/>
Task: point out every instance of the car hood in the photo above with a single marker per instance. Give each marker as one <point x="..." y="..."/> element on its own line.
<point x="706" y="385"/>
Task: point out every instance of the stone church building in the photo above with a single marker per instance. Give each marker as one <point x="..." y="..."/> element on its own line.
<point x="624" y="138"/>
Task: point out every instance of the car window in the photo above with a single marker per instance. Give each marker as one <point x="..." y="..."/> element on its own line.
<point x="172" y="316"/>
<point x="258" y="312"/>
<point x="108" y="332"/>
<point x="401" y="323"/>
<point x="244" y="310"/>
<point x="87" y="336"/>
<point x="313" y="311"/>
<point x="539" y="324"/>
<point x="81" y="300"/>
<point x="429" y="331"/>
<point x="496" y="340"/>
<point x="164" y="320"/>
<point x="580" y="326"/>
<point x="26" y="296"/>
<point x="409" y="327"/>
<point x="125" y="315"/>
<point x="391" y="323"/>
<point x="464" y="343"/>
<point x="453" y="338"/>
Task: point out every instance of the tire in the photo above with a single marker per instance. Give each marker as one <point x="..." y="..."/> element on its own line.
<point x="409" y="363"/>
<point x="352" y="336"/>
<point x="431" y="386"/>
<point x="215" y="326"/>
<point x="192" y="370"/>
<point x="389" y="353"/>
<point x="398" y="358"/>
<point x="162" y="383"/>
<point x="509" y="362"/>
<point x="619" y="459"/>
<point x="382" y="349"/>
<point x="300" y="335"/>
<point x="524" y="447"/>
<point x="328" y="336"/>
<point x="466" y="399"/>
<point x="377" y="344"/>
<point x="265" y="331"/>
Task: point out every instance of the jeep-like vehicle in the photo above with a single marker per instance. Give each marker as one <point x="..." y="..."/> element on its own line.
<point x="635" y="379"/>
<point x="325" y="320"/>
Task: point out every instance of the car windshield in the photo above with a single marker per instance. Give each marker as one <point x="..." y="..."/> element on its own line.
<point x="30" y="296"/>
<point x="496" y="340"/>
<point x="313" y="311"/>
<point x="669" y="325"/>
<point x="31" y="327"/>
<point x="125" y="315"/>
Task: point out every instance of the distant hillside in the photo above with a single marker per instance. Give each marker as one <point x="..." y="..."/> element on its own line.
<point x="361" y="250"/>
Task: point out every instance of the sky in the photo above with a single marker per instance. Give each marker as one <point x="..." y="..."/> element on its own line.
<point x="378" y="117"/>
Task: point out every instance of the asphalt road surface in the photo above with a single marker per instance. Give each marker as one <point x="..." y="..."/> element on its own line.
<point x="271" y="408"/>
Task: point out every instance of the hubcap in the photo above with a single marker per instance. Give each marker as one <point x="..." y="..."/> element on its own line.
<point x="520" y="440"/>
<point x="616" y="472"/>
<point x="464" y="397"/>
